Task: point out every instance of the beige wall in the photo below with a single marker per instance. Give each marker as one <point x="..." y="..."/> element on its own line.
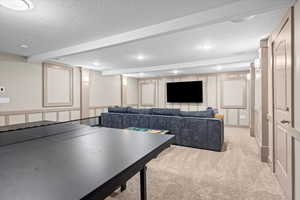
<point x="297" y="98"/>
<point x="24" y="85"/>
<point x="131" y="91"/>
<point x="104" y="90"/>
<point x="212" y="86"/>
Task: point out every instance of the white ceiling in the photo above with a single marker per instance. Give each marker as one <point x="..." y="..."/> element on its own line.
<point x="55" y="24"/>
<point x="167" y="33"/>
<point x="227" y="38"/>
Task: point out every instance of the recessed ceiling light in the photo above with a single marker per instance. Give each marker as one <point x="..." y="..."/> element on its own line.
<point x="19" y="5"/>
<point x="175" y="71"/>
<point x="141" y="74"/>
<point x="24" y="46"/>
<point x="140" y="57"/>
<point x="219" y="68"/>
<point x="96" y="63"/>
<point x="205" y="47"/>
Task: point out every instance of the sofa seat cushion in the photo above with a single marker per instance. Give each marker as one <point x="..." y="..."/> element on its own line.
<point x="165" y="111"/>
<point x="112" y="120"/>
<point x="200" y="114"/>
<point x="139" y="111"/>
<point x="134" y="120"/>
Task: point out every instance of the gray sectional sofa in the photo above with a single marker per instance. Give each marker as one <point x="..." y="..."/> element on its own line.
<point x="192" y="129"/>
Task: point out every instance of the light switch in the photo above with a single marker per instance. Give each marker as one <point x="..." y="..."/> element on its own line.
<point x="4" y="100"/>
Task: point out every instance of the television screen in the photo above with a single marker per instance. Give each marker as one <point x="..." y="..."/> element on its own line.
<point x="185" y="92"/>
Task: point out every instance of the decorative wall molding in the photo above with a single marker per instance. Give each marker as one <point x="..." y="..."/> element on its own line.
<point x="212" y="87"/>
<point x="84" y="92"/>
<point x="26" y="113"/>
<point x="47" y="67"/>
<point x="152" y="100"/>
<point x="241" y="105"/>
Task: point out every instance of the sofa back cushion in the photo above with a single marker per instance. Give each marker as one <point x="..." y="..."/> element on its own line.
<point x="118" y="109"/>
<point x="165" y="111"/>
<point x="200" y="114"/>
<point x="139" y="111"/>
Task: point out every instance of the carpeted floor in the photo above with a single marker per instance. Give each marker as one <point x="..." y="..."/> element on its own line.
<point x="181" y="173"/>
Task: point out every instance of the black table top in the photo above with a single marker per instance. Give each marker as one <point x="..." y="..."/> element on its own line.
<point x="25" y="125"/>
<point x="72" y="164"/>
<point x="91" y="121"/>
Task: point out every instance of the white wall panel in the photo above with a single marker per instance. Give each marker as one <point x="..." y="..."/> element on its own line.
<point x="59" y="89"/>
<point x="212" y="91"/>
<point x="75" y="115"/>
<point x="64" y="116"/>
<point x="35" y="117"/>
<point x="193" y="107"/>
<point x="104" y="90"/>
<point x="132" y="91"/>
<point x="234" y="94"/>
<point x="51" y="116"/>
<point x="244" y="117"/>
<point x="184" y="107"/>
<point x="2" y="120"/>
<point x="99" y="111"/>
<point x="148" y="94"/>
<point x="232" y="118"/>
<point x="92" y="113"/>
<point x="16" y="119"/>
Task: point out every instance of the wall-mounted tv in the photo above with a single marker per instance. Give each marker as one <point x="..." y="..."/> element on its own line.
<point x="185" y="92"/>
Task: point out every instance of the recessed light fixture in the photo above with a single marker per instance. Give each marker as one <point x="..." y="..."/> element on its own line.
<point x="96" y="63"/>
<point x="219" y="68"/>
<point x="24" y="46"/>
<point x="141" y="74"/>
<point x="140" y="57"/>
<point x="18" y="5"/>
<point x="175" y="71"/>
<point x="205" y="47"/>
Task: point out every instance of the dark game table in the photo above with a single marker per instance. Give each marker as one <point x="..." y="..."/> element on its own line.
<point x="72" y="161"/>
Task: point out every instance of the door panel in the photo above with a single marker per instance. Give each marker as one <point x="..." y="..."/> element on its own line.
<point x="282" y="66"/>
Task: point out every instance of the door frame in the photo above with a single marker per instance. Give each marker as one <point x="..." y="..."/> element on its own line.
<point x="273" y="36"/>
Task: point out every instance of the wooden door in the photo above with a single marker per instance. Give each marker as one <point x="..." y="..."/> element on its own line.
<point x="282" y="57"/>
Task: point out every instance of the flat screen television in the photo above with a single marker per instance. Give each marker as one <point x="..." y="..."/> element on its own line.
<point x="185" y="92"/>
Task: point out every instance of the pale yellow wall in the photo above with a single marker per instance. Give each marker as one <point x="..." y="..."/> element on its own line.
<point x="297" y="98"/>
<point x="212" y="84"/>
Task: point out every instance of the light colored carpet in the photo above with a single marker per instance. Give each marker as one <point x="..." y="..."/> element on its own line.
<point x="181" y="173"/>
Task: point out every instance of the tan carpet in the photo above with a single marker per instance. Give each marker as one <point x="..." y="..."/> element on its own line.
<point x="182" y="173"/>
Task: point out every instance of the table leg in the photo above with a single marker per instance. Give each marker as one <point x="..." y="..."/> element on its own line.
<point x="143" y="183"/>
<point x="123" y="187"/>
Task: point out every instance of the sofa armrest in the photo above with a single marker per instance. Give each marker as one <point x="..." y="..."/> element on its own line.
<point x="215" y="129"/>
